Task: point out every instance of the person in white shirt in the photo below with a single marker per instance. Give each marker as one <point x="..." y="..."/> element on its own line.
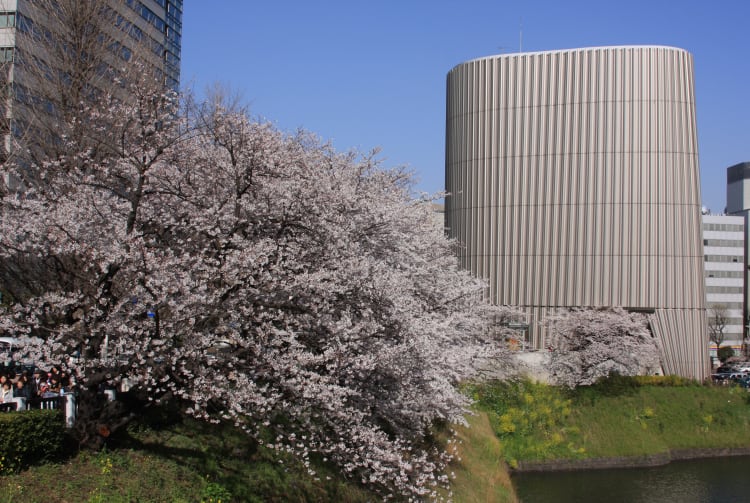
<point x="6" y="394"/>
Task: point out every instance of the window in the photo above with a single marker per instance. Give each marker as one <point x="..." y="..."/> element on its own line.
<point x="722" y="258"/>
<point x="6" y="54"/>
<point x="174" y="11"/>
<point x="726" y="243"/>
<point x="7" y="19"/>
<point x="171" y="58"/>
<point x="152" y="18"/>
<point x="724" y="274"/>
<point x="724" y="227"/>
<point x="737" y="290"/>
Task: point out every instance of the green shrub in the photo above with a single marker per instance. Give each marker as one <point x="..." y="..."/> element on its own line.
<point x="214" y="492"/>
<point x="30" y="437"/>
<point x="616" y="384"/>
<point x="724" y="353"/>
<point x="667" y="381"/>
<point x="530" y="419"/>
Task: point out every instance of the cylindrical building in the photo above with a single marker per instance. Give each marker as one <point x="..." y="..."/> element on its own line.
<point x="573" y="181"/>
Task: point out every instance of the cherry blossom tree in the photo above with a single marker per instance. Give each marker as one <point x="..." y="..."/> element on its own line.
<point x="588" y="344"/>
<point x="253" y="276"/>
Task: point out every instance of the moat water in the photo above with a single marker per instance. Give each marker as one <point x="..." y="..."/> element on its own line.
<point x="711" y="480"/>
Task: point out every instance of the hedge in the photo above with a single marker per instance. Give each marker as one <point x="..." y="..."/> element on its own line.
<point x="30" y="437"/>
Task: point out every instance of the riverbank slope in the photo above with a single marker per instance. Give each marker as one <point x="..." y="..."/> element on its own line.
<point x="622" y="422"/>
<point x="522" y="425"/>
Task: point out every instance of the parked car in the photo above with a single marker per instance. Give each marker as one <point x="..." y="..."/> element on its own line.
<point x="744" y="382"/>
<point x="726" y="368"/>
<point x="12" y="345"/>
<point x="724" y="375"/>
<point x="7" y="346"/>
<point x="743" y="367"/>
<point x="6" y="342"/>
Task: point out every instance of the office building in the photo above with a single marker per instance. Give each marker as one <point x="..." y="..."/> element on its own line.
<point x="724" y="262"/>
<point x="738" y="188"/>
<point x="156" y="24"/>
<point x="573" y="181"/>
<point x="55" y="55"/>
<point x="738" y="203"/>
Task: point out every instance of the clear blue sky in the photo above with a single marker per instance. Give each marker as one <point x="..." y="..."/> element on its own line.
<point x="367" y="74"/>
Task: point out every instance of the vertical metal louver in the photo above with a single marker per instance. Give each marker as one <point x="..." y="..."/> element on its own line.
<point x="573" y="182"/>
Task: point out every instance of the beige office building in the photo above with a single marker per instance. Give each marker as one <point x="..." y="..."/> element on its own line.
<point x="573" y="181"/>
<point x="724" y="264"/>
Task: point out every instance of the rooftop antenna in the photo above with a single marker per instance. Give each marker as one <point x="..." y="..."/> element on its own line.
<point x="520" y="34"/>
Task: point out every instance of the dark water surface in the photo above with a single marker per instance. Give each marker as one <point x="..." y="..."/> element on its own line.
<point x="713" y="480"/>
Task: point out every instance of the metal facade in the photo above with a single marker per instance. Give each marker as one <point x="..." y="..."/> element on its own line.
<point x="573" y="181"/>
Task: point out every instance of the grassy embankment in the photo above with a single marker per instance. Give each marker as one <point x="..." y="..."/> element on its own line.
<point x="480" y="472"/>
<point x="180" y="461"/>
<point x="620" y="417"/>
<point x="187" y="462"/>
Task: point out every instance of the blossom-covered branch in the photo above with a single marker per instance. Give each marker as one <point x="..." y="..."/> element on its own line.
<point x="256" y="277"/>
<point x="588" y="344"/>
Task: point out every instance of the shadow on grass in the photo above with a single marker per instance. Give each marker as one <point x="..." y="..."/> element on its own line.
<point x="224" y="454"/>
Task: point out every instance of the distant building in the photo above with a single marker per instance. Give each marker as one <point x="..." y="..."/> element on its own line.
<point x="573" y="181"/>
<point x="156" y="23"/>
<point x="31" y="56"/>
<point x="724" y="249"/>
<point x="438" y="211"/>
<point x="738" y="203"/>
<point x="738" y="188"/>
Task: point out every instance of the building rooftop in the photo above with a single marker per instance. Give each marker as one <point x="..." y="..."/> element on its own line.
<point x="577" y="49"/>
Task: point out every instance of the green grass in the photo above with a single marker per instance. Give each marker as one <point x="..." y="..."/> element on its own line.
<point x="538" y="422"/>
<point x="532" y="420"/>
<point x="480" y="472"/>
<point x="189" y="461"/>
<point x="184" y="462"/>
<point x="658" y="419"/>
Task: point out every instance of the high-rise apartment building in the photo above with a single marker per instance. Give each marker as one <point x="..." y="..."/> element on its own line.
<point x="573" y="181"/>
<point x="57" y="54"/>
<point x="724" y="264"/>
<point x="153" y="24"/>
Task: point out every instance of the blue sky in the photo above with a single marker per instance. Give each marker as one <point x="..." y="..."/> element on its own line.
<point x="367" y="74"/>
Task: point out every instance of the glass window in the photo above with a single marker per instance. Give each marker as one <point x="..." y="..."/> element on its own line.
<point x="7" y="19"/>
<point x="6" y="54"/>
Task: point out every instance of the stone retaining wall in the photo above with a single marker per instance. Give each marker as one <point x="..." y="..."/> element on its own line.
<point x="628" y="461"/>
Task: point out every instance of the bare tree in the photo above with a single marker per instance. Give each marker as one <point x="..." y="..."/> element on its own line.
<point x="6" y="101"/>
<point x="70" y="55"/>
<point x="718" y="318"/>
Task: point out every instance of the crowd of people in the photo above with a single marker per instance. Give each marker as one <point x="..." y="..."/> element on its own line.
<point x="36" y="383"/>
